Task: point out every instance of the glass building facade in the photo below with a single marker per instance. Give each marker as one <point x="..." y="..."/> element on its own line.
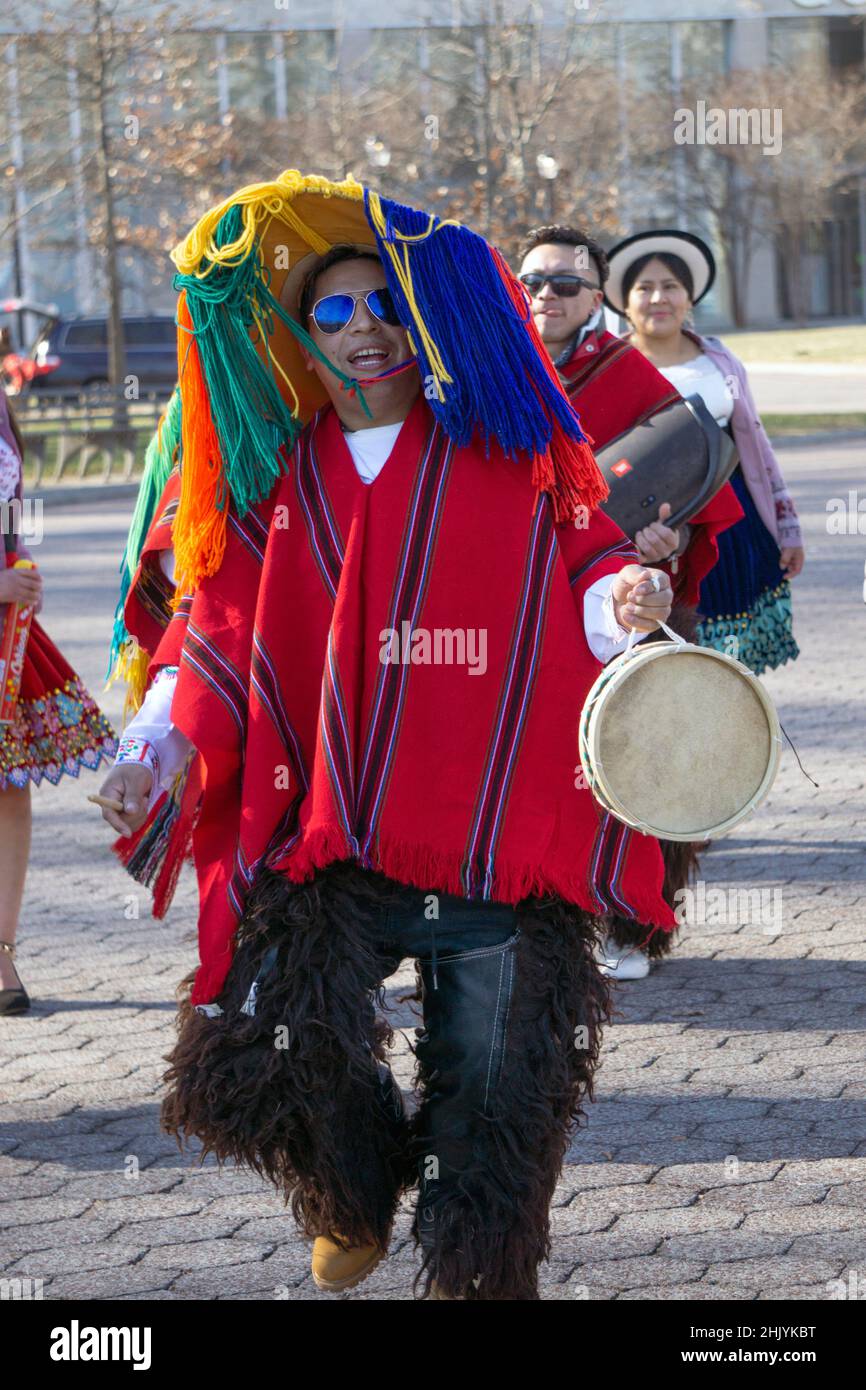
<point x="397" y="93"/>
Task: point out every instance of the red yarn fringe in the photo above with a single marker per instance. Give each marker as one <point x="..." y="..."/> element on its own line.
<point x="178" y="845"/>
<point x="125" y="847"/>
<point x="578" y="480"/>
<point x="568" y="472"/>
<point x="422" y="866"/>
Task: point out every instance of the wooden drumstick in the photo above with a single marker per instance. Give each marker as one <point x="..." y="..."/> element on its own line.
<point x="109" y="802"/>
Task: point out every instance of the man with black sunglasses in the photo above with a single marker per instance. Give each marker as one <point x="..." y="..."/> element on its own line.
<point x="565" y="279"/>
<point x="564" y="272"/>
<point x="615" y="388"/>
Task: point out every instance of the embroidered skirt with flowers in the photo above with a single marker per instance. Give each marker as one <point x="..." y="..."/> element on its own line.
<point x="745" y="601"/>
<point x="58" y="727"/>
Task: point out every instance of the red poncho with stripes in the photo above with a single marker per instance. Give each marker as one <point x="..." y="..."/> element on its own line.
<point x="614" y="388"/>
<point x="327" y="727"/>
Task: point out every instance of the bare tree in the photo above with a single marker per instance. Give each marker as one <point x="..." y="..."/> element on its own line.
<point x="752" y="195"/>
<point x="133" y="125"/>
<point x="518" y="94"/>
<point x="105" y="123"/>
<point x="823" y="153"/>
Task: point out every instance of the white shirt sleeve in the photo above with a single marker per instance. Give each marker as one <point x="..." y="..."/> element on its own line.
<point x="603" y="633"/>
<point x="152" y="739"/>
<point x="166" y="563"/>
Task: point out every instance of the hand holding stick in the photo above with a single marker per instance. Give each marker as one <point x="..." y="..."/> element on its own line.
<point x="109" y="802"/>
<point x="123" y="797"/>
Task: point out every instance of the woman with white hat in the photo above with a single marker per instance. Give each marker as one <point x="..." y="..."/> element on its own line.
<point x="656" y="279"/>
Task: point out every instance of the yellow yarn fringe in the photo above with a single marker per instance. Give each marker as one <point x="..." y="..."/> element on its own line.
<point x="404" y="275"/>
<point x="131" y="667"/>
<point x="199" y="529"/>
<point x="261" y="203"/>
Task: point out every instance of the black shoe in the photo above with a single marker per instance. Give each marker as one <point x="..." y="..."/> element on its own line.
<point x="13" y="1001"/>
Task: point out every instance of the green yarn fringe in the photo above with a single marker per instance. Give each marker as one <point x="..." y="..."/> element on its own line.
<point x="231" y="307"/>
<point x="762" y="639"/>
<point x="158" y="463"/>
<point x="250" y="417"/>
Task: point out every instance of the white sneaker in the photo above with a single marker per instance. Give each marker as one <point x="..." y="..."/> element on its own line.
<point x="622" y="962"/>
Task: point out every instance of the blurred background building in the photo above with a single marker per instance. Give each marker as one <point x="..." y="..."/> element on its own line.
<point x="120" y="121"/>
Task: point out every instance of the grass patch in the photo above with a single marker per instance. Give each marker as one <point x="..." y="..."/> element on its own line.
<point x="845" y="344"/>
<point x="814" y="424"/>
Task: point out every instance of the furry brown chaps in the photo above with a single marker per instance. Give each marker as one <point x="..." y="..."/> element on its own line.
<point x="298" y="1089"/>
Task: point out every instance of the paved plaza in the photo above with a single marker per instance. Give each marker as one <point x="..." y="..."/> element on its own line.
<point x="725" y="1155"/>
<point x="816" y="388"/>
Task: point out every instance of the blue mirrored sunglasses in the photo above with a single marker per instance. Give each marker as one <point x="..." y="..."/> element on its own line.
<point x="336" y="311"/>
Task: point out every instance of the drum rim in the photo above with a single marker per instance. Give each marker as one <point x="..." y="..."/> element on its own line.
<point x="635" y="659"/>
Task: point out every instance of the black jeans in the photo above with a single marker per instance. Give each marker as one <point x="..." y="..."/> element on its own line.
<point x="466" y="951"/>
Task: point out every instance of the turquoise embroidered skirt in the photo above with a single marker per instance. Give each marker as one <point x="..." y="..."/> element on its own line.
<point x="745" y="601"/>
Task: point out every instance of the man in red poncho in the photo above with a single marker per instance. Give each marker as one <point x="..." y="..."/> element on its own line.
<point x="614" y="388"/>
<point x="382" y="684"/>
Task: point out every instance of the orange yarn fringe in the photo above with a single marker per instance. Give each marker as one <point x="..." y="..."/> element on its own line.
<point x="199" y="531"/>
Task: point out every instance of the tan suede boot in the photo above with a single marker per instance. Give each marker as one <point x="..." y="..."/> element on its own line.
<point x="335" y="1269"/>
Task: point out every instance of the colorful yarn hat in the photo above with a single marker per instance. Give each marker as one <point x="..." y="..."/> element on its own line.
<point x="243" y="389"/>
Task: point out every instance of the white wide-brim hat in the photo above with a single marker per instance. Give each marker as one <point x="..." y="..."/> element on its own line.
<point x="690" y="248"/>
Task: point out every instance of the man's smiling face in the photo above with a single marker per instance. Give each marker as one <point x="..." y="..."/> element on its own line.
<point x="366" y="347"/>
<point x="558" y="318"/>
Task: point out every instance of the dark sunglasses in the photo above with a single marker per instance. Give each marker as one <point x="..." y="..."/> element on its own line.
<point x="336" y="311"/>
<point x="565" y="286"/>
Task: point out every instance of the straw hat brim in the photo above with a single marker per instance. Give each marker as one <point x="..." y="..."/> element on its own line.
<point x="690" y="249"/>
<point x="293" y="284"/>
<point x="286" y="252"/>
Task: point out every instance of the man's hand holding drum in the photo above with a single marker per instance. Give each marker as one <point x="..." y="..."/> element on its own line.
<point x="642" y="598"/>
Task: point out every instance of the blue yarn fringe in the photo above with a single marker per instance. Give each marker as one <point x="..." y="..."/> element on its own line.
<point x="501" y="385"/>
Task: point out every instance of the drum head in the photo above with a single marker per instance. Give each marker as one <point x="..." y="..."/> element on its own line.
<point x="688" y="743"/>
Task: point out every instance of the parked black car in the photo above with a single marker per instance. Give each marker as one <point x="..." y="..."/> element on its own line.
<point x="82" y="347"/>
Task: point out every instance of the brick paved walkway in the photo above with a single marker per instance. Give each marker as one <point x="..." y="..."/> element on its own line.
<point x="726" y="1154"/>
